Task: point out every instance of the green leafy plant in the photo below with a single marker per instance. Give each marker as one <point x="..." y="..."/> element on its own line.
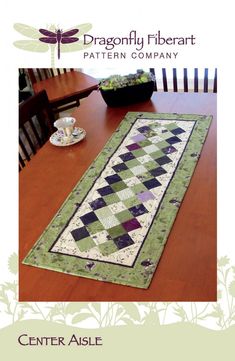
<point x="121" y="81"/>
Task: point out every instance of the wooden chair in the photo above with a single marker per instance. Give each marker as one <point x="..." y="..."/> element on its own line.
<point x="64" y="87"/>
<point x="35" y="126"/>
<point x="170" y="81"/>
<point x="24" y="90"/>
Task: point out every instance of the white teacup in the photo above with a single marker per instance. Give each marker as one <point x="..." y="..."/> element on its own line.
<point x="65" y="125"/>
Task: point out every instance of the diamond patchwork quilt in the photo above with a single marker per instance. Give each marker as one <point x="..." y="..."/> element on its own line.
<point x="114" y="224"/>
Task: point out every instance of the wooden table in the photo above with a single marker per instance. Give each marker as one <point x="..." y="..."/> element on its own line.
<point x="67" y="87"/>
<point x="187" y="269"/>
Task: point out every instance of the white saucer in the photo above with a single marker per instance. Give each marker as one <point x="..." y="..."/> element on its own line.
<point x="59" y="140"/>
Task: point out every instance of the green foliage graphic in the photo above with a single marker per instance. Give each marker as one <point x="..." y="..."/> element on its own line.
<point x="218" y="315"/>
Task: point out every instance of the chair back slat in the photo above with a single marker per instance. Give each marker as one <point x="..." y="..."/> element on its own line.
<point x="196" y="80"/>
<point x="175" y="83"/>
<point x="32" y="76"/>
<point x="39" y="74"/>
<point x="45" y="73"/>
<point x="215" y="82"/>
<point x="29" y="137"/>
<point x="46" y="129"/>
<point x="35" y="125"/>
<point x="164" y="80"/>
<point x="26" y="153"/>
<point x="38" y="135"/>
<point x="205" y="85"/>
<point x="21" y="163"/>
<point x="185" y="78"/>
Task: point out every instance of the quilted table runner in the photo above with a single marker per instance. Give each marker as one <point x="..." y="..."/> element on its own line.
<point x="114" y="224"/>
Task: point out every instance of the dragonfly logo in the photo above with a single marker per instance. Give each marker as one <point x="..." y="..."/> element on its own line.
<point x="54" y="40"/>
<point x="58" y="37"/>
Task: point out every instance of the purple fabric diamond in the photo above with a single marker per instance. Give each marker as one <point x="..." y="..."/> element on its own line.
<point x="119" y="167"/>
<point x="123" y="241"/>
<point x="173" y="140"/>
<point x="177" y="131"/>
<point x="113" y="178"/>
<point x="169" y="150"/>
<point x="144" y="129"/>
<point x="131" y="225"/>
<point x="79" y="233"/>
<point x="138" y="138"/>
<point x="138" y="210"/>
<point x="105" y="191"/>
<point x="145" y="196"/>
<point x="157" y="171"/>
<point x="89" y="218"/>
<point x="152" y="183"/>
<point x="163" y="160"/>
<point x="133" y="146"/>
<point x="127" y="156"/>
<point x="97" y="203"/>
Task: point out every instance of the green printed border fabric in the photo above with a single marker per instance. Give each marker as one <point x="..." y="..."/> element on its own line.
<point x="48" y="252"/>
